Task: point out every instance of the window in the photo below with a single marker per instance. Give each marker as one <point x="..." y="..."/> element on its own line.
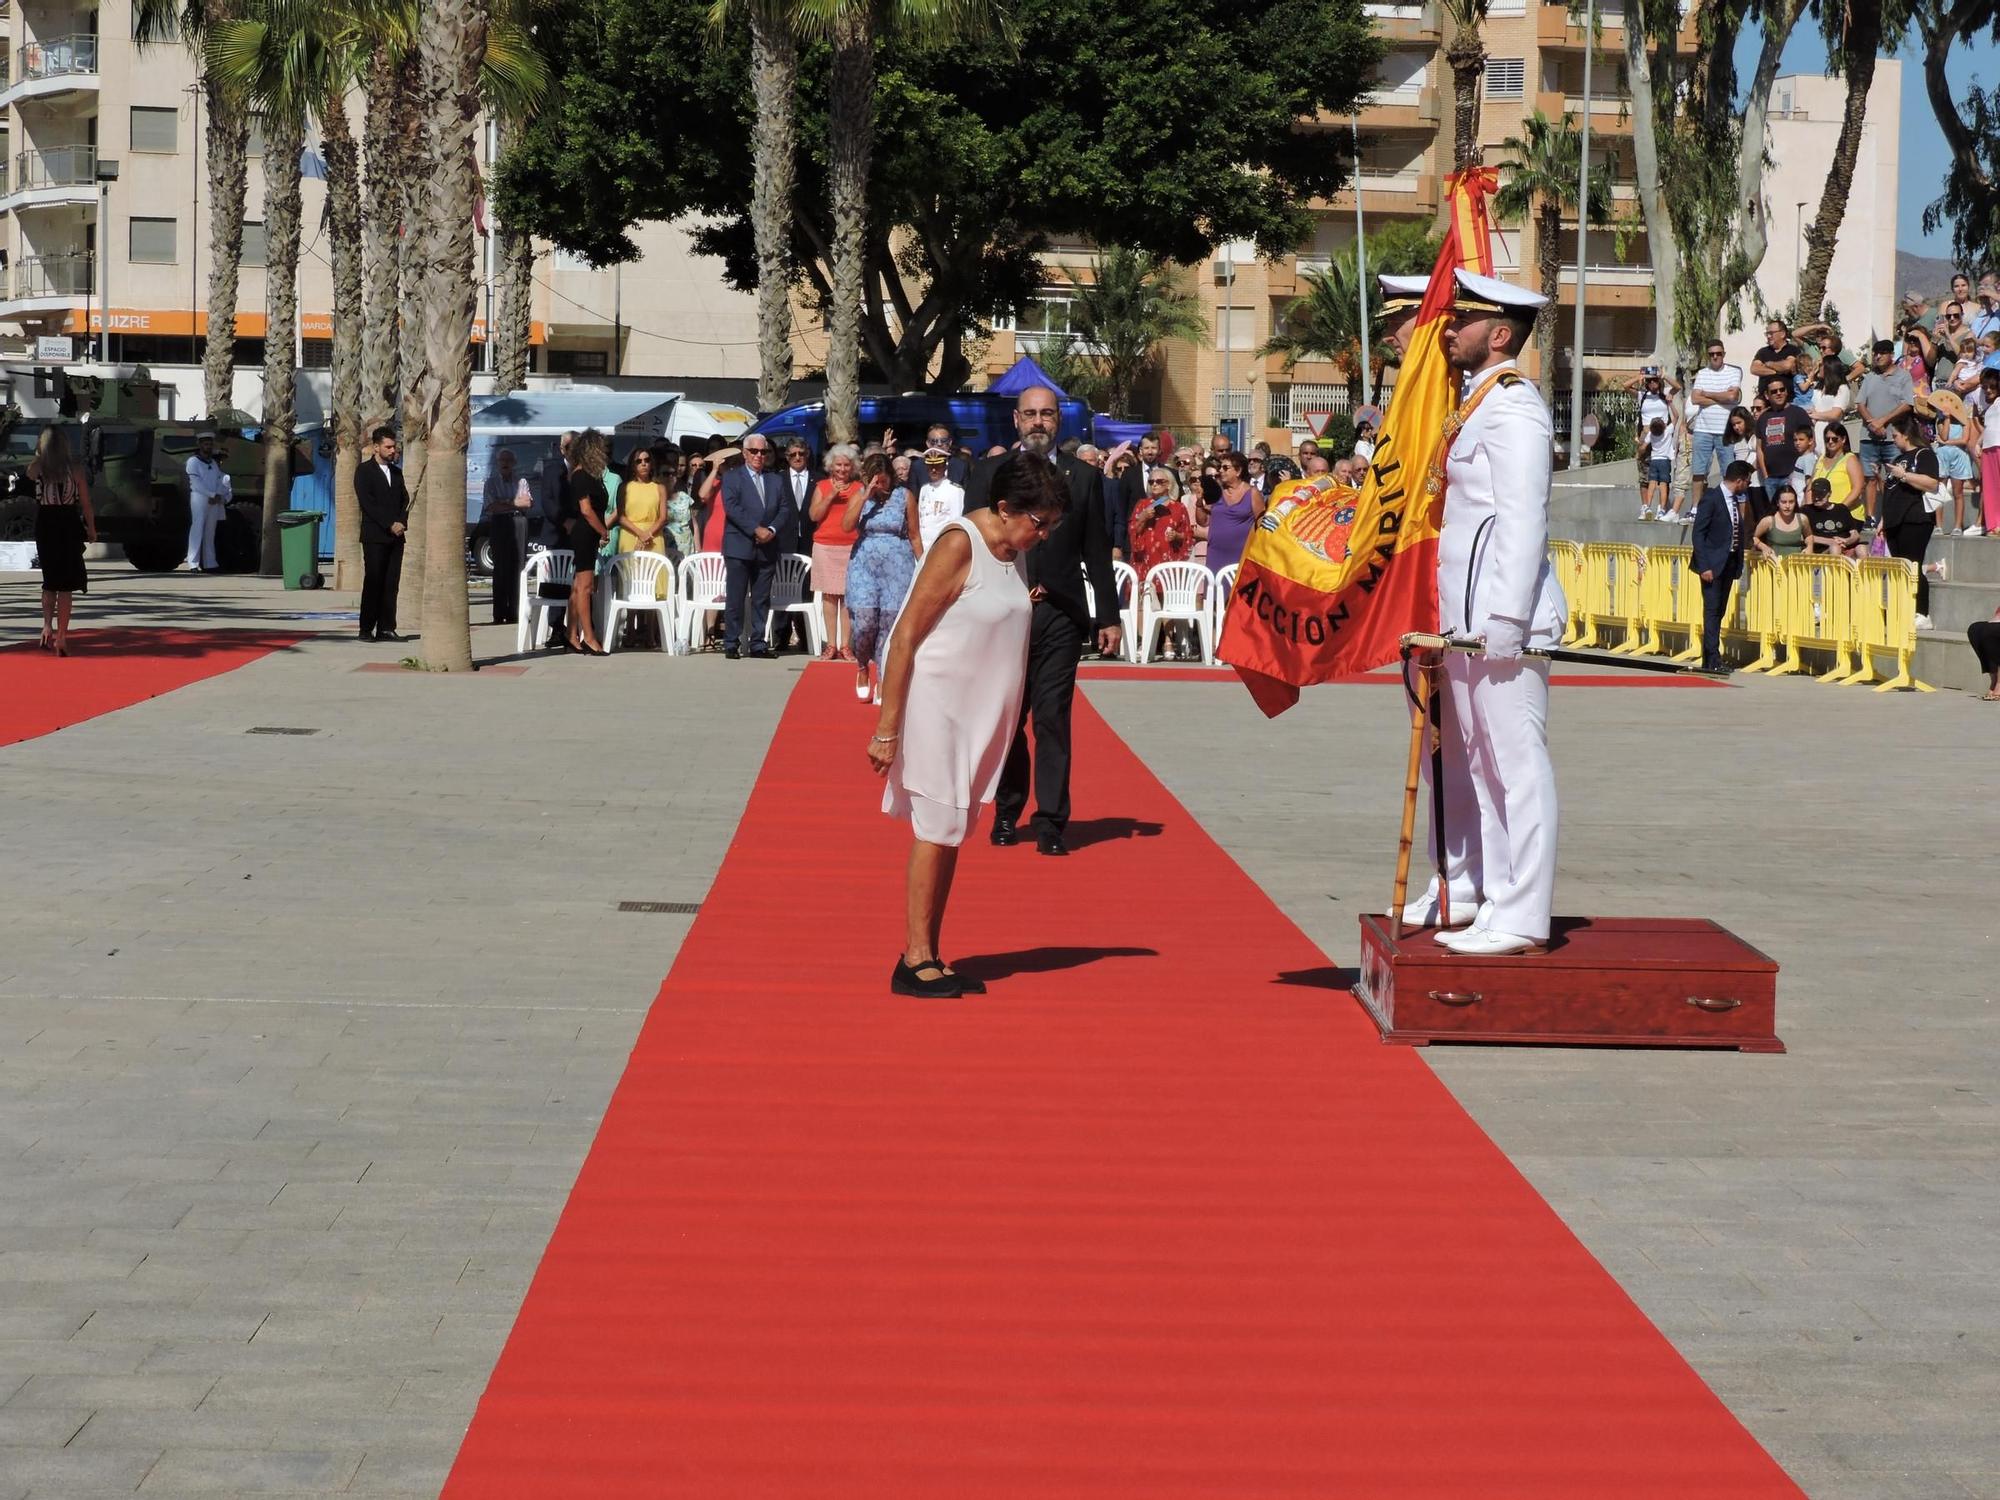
<point x="579" y="362"/>
<point x="155" y="129"/>
<point x="1506" y="78"/>
<point x="255" y="247"/>
<point x="1236" y="328"/>
<point x="1047" y="313"/>
<point x="152" y="241"/>
<point x="1507" y="8"/>
<point x="1400" y="77"/>
<point x="316" y="354"/>
<point x="256" y="142"/>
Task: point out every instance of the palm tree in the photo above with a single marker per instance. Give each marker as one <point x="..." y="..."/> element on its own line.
<point x="1465" y="55"/>
<point x="453" y="48"/>
<point x="513" y="270"/>
<point x="774" y="71"/>
<point x="1855" y="32"/>
<point x="1542" y="186"/>
<point x="1132" y="303"/>
<point x="228" y="148"/>
<point x="275" y="58"/>
<point x="852" y="27"/>
<point x="1324" y="322"/>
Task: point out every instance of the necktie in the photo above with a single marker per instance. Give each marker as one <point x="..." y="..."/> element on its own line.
<point x="1735" y="527"/>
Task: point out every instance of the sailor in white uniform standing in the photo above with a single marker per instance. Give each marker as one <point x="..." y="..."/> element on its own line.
<point x="209" y="494"/>
<point x="1494" y="582"/>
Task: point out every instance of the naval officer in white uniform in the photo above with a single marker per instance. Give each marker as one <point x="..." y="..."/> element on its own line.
<point x="1401" y="297"/>
<point x="1494" y="582"/>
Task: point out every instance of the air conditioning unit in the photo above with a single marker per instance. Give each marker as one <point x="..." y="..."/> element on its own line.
<point x="1224" y="271"/>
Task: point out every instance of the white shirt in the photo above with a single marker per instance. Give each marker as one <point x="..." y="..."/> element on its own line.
<point x="1989" y="430"/>
<point x="1494" y="548"/>
<point x="1715" y="418"/>
<point x="207" y="482"/>
<point x="1663" y="446"/>
<point x="938" y="505"/>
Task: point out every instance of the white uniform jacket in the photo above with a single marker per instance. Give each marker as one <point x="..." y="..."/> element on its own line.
<point x="1493" y="555"/>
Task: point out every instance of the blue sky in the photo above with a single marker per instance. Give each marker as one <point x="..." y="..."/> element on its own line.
<point x="1920" y="172"/>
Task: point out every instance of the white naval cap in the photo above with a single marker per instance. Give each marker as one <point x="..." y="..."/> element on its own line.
<point x="1401" y="293"/>
<point x="1485" y="294"/>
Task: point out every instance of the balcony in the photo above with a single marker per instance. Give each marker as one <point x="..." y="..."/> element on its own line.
<point x="1558" y="28"/>
<point x="63" y="278"/>
<point x="1610" y="114"/>
<point x="1405" y="22"/>
<point x="64" y="176"/>
<point x="1403" y="192"/>
<point x="1402" y="109"/>
<point x="52" y="67"/>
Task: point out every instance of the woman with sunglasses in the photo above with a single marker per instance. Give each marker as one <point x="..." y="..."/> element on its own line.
<point x="951" y="698"/>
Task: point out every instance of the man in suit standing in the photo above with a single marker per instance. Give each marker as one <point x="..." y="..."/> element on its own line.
<point x="385" y="511"/>
<point x="796" y="480"/>
<point x="1075" y="546"/>
<point x="1721" y="529"/>
<point x="545" y="525"/>
<point x="756" y="516"/>
<point x="1132" y="492"/>
<point x="940" y="435"/>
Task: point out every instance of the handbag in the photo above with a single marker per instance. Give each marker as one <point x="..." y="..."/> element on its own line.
<point x="1934" y="501"/>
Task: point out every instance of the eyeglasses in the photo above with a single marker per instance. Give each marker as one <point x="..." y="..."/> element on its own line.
<point x="1038" y="519"/>
<point x="748" y="449"/>
<point x="1715" y="354"/>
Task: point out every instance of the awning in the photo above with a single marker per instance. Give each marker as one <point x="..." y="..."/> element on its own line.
<point x="532" y="412"/>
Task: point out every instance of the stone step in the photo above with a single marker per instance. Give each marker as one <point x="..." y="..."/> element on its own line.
<point x="1945" y="660"/>
<point x="1956" y="605"/>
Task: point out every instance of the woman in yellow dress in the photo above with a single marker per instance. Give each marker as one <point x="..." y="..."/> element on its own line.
<point x="1841" y="470"/>
<point x="642" y="524"/>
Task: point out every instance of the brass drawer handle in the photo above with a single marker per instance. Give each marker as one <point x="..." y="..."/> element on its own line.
<point x="1713" y="1002"/>
<point x="1455" y="997"/>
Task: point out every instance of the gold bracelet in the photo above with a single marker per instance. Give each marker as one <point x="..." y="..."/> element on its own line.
<point x="883" y="739"/>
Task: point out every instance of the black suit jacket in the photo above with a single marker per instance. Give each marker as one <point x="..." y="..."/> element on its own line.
<point x="1710" y="538"/>
<point x="547" y="516"/>
<point x="1077" y="545"/>
<point x="383" y="501"/>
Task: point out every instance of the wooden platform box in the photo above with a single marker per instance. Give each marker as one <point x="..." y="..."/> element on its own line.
<point x="1605" y="981"/>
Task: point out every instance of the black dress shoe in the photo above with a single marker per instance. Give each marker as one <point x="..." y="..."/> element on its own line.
<point x="763" y="653"/>
<point x="904" y="980"/>
<point x="389" y="635"/>
<point x="1050" y="843"/>
<point x="365" y="636"/>
<point x="1004" y="832"/>
<point x="730" y="653"/>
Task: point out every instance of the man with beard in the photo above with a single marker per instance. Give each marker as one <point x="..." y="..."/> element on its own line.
<point x="1076" y="546"/>
<point x="1494" y="583"/>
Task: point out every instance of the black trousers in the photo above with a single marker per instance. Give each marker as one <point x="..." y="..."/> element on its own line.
<point x="508" y="534"/>
<point x="1714" y="601"/>
<point x="1985" y="638"/>
<point x="746" y="580"/>
<point x="381" y="576"/>
<point x="1911" y="539"/>
<point x="1053" y="648"/>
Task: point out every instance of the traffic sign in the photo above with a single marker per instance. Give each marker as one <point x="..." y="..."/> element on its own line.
<point x="1317" y="421"/>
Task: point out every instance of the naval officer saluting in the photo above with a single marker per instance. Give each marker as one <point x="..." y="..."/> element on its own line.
<point x="1494" y="582"/>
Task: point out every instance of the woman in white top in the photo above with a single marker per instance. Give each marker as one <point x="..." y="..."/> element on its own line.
<point x="951" y="697"/>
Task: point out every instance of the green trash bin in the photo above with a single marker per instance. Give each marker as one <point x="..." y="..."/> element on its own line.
<point x="298" y="537"/>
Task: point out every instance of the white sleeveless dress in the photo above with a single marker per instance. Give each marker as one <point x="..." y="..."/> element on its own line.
<point x="965" y="698"/>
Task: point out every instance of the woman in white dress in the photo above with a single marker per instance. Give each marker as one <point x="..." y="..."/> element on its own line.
<point x="951" y="697"/>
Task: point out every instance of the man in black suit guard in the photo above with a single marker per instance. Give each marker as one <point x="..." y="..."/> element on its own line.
<point x="1722" y="524"/>
<point x="1077" y="545"/>
<point x="385" y="512"/>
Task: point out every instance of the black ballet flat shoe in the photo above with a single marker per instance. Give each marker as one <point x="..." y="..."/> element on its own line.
<point x="904" y="980"/>
<point x="967" y="983"/>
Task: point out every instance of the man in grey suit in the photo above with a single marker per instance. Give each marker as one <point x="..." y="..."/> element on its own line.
<point x="755" y="515"/>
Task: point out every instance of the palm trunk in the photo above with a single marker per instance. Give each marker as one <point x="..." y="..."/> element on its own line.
<point x="454" y="45"/>
<point x="343" y="189"/>
<point x="228" y="182"/>
<point x="513" y="269"/>
<point x="851" y="124"/>
<point x="1862" y="36"/>
<point x="1467" y="58"/>
<point x="1548" y="253"/>
<point x="774" y="66"/>
<point x="379" y="380"/>
<point x="284" y="137"/>
<point x="413" y="172"/>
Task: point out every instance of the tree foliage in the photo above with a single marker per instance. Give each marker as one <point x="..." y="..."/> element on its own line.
<point x="1970" y="202"/>
<point x="1131" y="303"/>
<point x="1324" y="321"/>
<point x="1545" y="168"/>
<point x="1162" y="125"/>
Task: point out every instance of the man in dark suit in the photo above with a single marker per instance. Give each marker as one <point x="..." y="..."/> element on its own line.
<point x="1722" y="524"/>
<point x="385" y="513"/>
<point x="545" y="525"/>
<point x="756" y="517"/>
<point x="940" y="435"/>
<point x="1133" y="492"/>
<point x="796" y="480"/>
<point x="1075" y="547"/>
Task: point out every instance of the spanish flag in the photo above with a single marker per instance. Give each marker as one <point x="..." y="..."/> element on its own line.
<point x="1333" y="578"/>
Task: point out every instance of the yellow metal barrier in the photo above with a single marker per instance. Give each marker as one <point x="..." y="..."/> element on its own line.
<point x="1816" y="612"/>
<point x="1566" y="563"/>
<point x="1885" y="620"/>
<point x="1611" y="574"/>
<point x="1754" y="616"/>
<point x="1670" y="600"/>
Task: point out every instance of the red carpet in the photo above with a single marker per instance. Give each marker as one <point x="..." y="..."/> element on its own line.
<point x="1155" y="672"/>
<point x="1158" y="1218"/>
<point x="113" y="669"/>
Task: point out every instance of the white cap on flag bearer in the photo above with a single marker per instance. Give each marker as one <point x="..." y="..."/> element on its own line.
<point x="1484" y="294"/>
<point x="1402" y="293"/>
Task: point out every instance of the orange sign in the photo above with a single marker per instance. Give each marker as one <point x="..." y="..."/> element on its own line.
<point x="180" y="323"/>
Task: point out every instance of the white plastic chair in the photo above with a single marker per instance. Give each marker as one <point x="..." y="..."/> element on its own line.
<point x="543" y="567"/>
<point x="1130" y="607"/>
<point x="704" y="583"/>
<point x="637" y="589"/>
<point x="1218" y="602"/>
<point x="1174" y="596"/>
<point x="791" y="594"/>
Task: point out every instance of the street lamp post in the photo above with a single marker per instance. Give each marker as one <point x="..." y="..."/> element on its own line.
<point x="107" y="173"/>
<point x="1228" y="329"/>
<point x="1361" y="261"/>
<point x="1798" y="243"/>
<point x="1582" y="243"/>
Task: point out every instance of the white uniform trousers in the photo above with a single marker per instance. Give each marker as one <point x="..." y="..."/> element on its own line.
<point x="1499" y="794"/>
<point x="201" y="534"/>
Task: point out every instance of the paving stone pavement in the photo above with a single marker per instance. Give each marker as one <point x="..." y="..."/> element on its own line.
<point x="303" y="1039"/>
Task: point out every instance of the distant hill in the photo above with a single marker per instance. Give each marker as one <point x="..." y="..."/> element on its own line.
<point x="1929" y="274"/>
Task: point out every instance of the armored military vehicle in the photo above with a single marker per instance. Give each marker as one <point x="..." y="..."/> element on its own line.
<point x="138" y="471"/>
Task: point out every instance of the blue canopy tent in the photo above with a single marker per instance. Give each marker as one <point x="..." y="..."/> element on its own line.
<point x="1024" y="374"/>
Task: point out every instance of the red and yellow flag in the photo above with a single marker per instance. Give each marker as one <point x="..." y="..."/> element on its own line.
<point x="1332" y="577"/>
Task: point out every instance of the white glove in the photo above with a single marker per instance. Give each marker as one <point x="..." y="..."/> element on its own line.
<point x="1504" y="639"/>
